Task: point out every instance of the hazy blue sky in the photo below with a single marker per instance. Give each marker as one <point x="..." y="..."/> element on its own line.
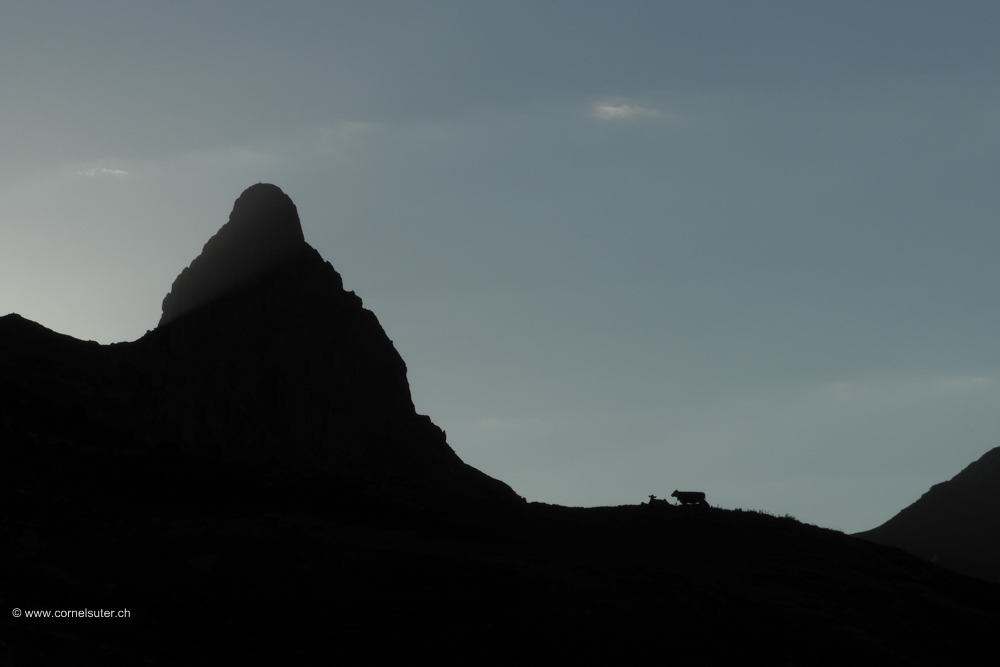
<point x="748" y="248"/>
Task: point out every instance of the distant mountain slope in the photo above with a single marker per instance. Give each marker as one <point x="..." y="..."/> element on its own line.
<point x="955" y="524"/>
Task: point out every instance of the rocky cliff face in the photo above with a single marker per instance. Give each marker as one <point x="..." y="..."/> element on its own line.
<point x="262" y="357"/>
<point x="955" y="524"/>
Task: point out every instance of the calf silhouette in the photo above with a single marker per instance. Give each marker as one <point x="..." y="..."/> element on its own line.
<point x="653" y="500"/>
<point x="690" y="497"/>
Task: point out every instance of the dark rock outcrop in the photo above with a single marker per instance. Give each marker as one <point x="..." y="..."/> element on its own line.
<point x="955" y="524"/>
<point x="260" y="357"/>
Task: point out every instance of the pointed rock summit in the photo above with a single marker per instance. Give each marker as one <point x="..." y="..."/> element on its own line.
<point x="263" y="232"/>
<point x="955" y="524"/>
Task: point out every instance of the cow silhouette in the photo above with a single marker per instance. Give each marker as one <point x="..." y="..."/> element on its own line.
<point x="690" y="498"/>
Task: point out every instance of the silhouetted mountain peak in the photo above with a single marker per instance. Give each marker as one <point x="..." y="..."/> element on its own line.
<point x="263" y="232"/>
<point x="954" y="523"/>
<point x="260" y="356"/>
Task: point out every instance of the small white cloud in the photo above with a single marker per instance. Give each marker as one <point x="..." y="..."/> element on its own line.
<point x="347" y="129"/>
<point x="623" y="112"/>
<point x="887" y="389"/>
<point x="965" y="382"/>
<point x="102" y="171"/>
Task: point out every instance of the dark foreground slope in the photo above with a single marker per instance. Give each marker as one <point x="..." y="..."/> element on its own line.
<point x="955" y="524"/>
<point x="225" y="563"/>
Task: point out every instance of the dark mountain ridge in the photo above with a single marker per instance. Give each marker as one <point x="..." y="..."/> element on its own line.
<point x="251" y="482"/>
<point x="956" y="524"/>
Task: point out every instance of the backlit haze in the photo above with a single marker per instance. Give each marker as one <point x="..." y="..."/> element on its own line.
<point x="746" y="248"/>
